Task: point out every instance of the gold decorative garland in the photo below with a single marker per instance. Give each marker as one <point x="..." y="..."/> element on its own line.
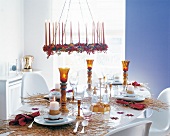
<point x="97" y="126"/>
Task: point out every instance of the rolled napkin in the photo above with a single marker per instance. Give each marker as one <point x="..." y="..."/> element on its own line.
<point x="22" y="119"/>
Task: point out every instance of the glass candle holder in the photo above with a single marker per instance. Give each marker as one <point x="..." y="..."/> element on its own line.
<point x="125" y="65"/>
<point x="89" y="73"/>
<point x="89" y="64"/>
<point x="64" y="74"/>
<point x="63" y="79"/>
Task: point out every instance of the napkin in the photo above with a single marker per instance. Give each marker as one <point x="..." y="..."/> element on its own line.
<point x="22" y="119"/>
<point x="135" y="84"/>
<point x="122" y="102"/>
<point x="138" y="106"/>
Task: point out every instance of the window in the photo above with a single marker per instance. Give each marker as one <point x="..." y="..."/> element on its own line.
<point x="112" y="13"/>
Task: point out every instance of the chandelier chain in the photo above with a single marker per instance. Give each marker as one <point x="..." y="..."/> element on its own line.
<point x="89" y="10"/>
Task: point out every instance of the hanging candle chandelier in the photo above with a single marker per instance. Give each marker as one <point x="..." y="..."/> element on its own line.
<point x="55" y="37"/>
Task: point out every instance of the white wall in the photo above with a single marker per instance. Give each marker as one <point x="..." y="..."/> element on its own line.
<point x="35" y="14"/>
<point x="11" y="32"/>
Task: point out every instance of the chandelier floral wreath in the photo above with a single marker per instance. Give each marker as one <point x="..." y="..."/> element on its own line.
<point x="54" y="37"/>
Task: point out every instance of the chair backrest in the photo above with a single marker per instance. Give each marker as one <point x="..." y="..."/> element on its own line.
<point x="161" y="118"/>
<point x="140" y="128"/>
<point x="33" y="83"/>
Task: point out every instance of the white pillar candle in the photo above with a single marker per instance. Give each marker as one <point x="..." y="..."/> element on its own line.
<point x="57" y="86"/>
<point x="130" y="88"/>
<point x="54" y="105"/>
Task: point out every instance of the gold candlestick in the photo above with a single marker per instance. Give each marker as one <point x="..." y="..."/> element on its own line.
<point x="110" y="86"/>
<point x="63" y="79"/>
<point x="78" y="115"/>
<point x="89" y="73"/>
<point x="100" y="82"/>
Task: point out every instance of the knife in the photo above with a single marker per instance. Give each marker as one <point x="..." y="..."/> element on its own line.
<point x="76" y="127"/>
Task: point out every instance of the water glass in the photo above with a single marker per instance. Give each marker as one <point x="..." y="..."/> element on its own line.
<point x="79" y="94"/>
<point x="87" y="111"/>
<point x="110" y="78"/>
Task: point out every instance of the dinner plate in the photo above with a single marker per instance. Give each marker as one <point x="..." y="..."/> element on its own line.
<point x="127" y="98"/>
<point x="40" y="120"/>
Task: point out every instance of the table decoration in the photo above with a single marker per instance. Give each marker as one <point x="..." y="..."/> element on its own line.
<point x="115" y="118"/>
<point x="28" y="63"/>
<point x="54" y="112"/>
<point x="56" y="35"/>
<point x="37" y="99"/>
<point x="129" y="115"/>
<point x="105" y="98"/>
<point x="125" y="66"/>
<point x="89" y="73"/>
<point x="94" y="96"/>
<point x="63" y="79"/>
<point x="97" y="126"/>
<point x="79" y="104"/>
<point x="110" y="86"/>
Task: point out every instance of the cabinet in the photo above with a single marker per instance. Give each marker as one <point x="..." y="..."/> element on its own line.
<point x="10" y="95"/>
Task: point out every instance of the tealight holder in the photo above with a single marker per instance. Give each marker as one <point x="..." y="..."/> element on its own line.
<point x="89" y="73"/>
<point x="63" y="79"/>
<point x="125" y="65"/>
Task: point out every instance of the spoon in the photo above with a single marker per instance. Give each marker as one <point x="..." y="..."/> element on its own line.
<point x="84" y="124"/>
<point x="30" y="126"/>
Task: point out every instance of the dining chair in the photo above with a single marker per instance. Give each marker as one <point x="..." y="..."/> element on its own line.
<point x="140" y="128"/>
<point x="161" y="118"/>
<point x="33" y="83"/>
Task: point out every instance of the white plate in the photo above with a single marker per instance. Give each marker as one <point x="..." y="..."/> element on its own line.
<point x="134" y="98"/>
<point x="40" y="120"/>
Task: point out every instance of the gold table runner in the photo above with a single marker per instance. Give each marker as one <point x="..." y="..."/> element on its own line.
<point x="97" y="126"/>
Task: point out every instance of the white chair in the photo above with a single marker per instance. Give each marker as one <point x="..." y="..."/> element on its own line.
<point x="140" y="128"/>
<point x="160" y="119"/>
<point x="33" y="83"/>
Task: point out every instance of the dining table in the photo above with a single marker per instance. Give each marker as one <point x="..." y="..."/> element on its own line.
<point x="99" y="124"/>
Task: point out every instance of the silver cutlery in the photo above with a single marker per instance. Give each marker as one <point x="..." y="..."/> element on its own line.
<point x="84" y="124"/>
<point x="76" y="127"/>
<point x="30" y="126"/>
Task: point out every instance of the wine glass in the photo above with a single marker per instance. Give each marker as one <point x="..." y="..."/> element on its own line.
<point x="73" y="80"/>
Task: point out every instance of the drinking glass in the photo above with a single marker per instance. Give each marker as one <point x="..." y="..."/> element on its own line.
<point x="110" y="78"/>
<point x="73" y="80"/>
<point x="87" y="110"/>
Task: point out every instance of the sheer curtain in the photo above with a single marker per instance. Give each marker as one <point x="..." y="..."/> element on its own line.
<point x="112" y="13"/>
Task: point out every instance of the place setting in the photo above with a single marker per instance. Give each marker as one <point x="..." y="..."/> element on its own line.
<point x="130" y="95"/>
<point x="54" y="117"/>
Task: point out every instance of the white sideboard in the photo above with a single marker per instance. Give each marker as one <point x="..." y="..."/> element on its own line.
<point x="10" y="95"/>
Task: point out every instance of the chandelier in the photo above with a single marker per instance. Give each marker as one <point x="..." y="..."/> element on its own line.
<point x="55" y="37"/>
